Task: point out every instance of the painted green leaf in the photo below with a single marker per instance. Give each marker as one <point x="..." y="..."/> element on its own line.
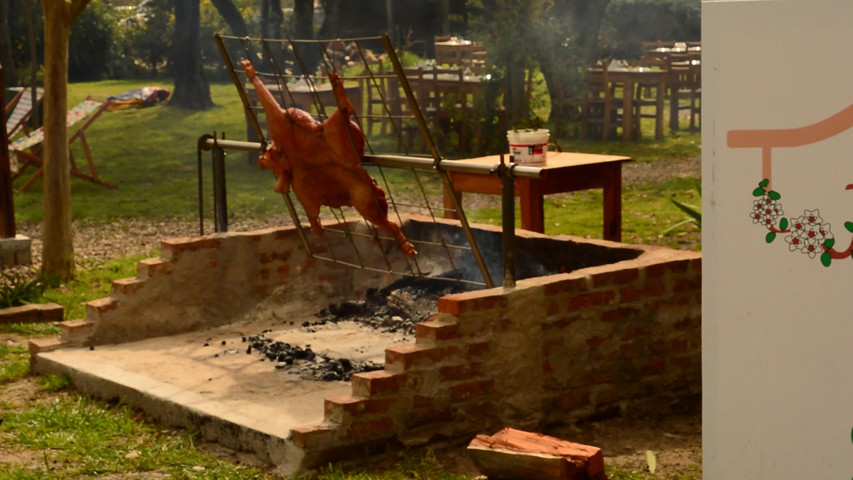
<point x="848" y="226"/>
<point x="770" y="237"/>
<point x="764" y="183"/>
<point x="825" y="259"/>
<point x="774" y="195"/>
<point x="783" y="224"/>
<point x="758" y="192"/>
<point x="829" y="242"/>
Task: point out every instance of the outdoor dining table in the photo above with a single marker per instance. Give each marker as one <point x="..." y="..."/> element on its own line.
<point x="447" y="81"/>
<point x="561" y="172"/>
<point x="455" y="50"/>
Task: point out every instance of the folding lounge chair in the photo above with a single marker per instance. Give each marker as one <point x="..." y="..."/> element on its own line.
<point x="28" y="150"/>
<point x="20" y="109"/>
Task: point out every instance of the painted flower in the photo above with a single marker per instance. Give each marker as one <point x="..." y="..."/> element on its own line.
<point x="765" y="211"/>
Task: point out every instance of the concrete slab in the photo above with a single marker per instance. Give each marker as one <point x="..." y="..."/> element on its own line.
<point x="206" y="381"/>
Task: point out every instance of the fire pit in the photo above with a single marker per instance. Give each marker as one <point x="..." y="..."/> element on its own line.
<point x="591" y="329"/>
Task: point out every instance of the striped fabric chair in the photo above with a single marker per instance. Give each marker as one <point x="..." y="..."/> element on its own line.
<point x="27" y="151"/>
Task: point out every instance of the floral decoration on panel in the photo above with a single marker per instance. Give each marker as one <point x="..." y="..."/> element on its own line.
<point x="808" y="233"/>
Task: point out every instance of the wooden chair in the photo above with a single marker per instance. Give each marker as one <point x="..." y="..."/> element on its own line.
<point x="685" y="91"/>
<point x="20" y="109"/>
<point x="602" y="110"/>
<point x="28" y="150"/>
<point x="439" y="91"/>
<point x="383" y="96"/>
<point x="646" y="105"/>
<point x="448" y="55"/>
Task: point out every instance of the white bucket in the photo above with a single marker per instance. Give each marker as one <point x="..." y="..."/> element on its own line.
<point x="528" y="147"/>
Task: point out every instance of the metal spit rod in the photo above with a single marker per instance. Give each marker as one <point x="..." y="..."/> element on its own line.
<point x="507" y="173"/>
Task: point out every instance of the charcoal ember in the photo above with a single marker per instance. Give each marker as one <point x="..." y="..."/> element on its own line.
<point x="396" y="308"/>
<point x="347" y="308"/>
<point x="401" y="303"/>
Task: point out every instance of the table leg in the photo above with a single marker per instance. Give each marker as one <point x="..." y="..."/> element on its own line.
<point x="628" y="110"/>
<point x="532" y="205"/>
<point x="613" y="203"/>
<point x="449" y="207"/>
<point x="659" y="113"/>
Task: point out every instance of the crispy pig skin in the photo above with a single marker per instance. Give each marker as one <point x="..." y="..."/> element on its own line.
<point x="321" y="161"/>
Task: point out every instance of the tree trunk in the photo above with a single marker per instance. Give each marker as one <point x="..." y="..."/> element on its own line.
<point x="10" y="73"/>
<point x="231" y="14"/>
<point x="303" y="19"/>
<point x="191" y="88"/>
<point x="57" y="243"/>
<point x="271" y="18"/>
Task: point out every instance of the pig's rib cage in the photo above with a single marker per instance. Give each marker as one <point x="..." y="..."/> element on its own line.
<point x="291" y="68"/>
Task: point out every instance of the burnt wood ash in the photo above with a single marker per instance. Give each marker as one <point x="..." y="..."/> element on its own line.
<point x="396" y="308"/>
<point x="305" y="362"/>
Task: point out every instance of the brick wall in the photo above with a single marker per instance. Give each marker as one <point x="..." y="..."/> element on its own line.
<point x="615" y="339"/>
<point x="620" y="339"/>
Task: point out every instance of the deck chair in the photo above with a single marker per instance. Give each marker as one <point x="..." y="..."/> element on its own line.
<point x="20" y="109"/>
<point x="27" y="151"/>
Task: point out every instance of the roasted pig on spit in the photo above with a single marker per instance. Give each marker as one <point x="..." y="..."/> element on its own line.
<point x="321" y="161"/>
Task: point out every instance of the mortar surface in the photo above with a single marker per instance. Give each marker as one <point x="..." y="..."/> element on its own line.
<point x="210" y="372"/>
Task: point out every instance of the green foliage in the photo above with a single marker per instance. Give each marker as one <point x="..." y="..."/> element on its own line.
<point x="54" y="383"/>
<point x="17" y="288"/>
<point x="14" y="363"/>
<point x="630" y="22"/>
<point x="82" y="438"/>
<point x="92" y="283"/>
<point x="147" y="29"/>
<point x="693" y="213"/>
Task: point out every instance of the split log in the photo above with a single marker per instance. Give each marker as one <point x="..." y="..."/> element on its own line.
<point x="518" y="455"/>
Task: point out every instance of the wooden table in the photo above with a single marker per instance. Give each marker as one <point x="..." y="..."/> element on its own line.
<point x="562" y="172"/>
<point x="630" y="79"/>
<point x="455" y="51"/>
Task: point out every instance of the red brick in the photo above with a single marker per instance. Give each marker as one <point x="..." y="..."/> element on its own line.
<point x="650" y="366"/>
<point x="125" y="286"/>
<point x="569" y="285"/>
<point x="592" y="299"/>
<point x="471" y="389"/>
<point x="435" y="331"/>
<point x="460" y="372"/>
<point x="154" y="266"/>
<point x="32" y="313"/>
<point x="338" y="407"/>
<point x="467" y="302"/>
<point x="572" y="400"/>
<point x="615" y="277"/>
<point x="476" y="349"/>
<point x="310" y="437"/>
<point x="38" y="345"/>
<point x="687" y="284"/>
<point x="368" y="429"/>
<point x="664" y="347"/>
<point x="634" y="292"/>
<point x="77" y="332"/>
<point x="96" y="308"/>
<point x="408" y="356"/>
<point x="175" y="246"/>
<point x="377" y="383"/>
<point x="620" y="314"/>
